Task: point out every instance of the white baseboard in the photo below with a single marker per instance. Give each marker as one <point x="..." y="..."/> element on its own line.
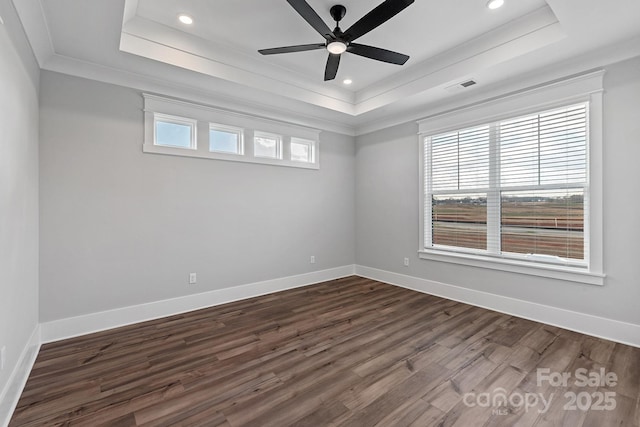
<point x="11" y="394"/>
<point x="614" y="330"/>
<point x="75" y="326"/>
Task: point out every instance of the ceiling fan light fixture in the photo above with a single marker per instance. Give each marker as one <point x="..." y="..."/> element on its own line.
<point x="495" y="4"/>
<point x="185" y="19"/>
<point x="337" y="42"/>
<point x="337" y="47"/>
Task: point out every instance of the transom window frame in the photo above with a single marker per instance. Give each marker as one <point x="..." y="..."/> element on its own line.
<point x="269" y="135"/>
<point x="228" y="129"/>
<point x="587" y="88"/>
<point x="208" y="117"/>
<point x="177" y="120"/>
<point x="307" y="142"/>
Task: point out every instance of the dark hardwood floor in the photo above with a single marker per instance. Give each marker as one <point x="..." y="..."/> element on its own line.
<point x="349" y="352"/>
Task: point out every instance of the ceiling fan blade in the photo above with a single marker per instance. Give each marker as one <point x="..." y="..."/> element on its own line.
<point x="378" y="54"/>
<point x="332" y="67"/>
<point x="310" y="15"/>
<point x="378" y="16"/>
<point x="289" y="49"/>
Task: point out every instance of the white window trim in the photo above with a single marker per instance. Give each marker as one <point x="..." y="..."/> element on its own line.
<point x="269" y="135"/>
<point x="167" y="118"/>
<point x="229" y="129"/>
<point x="309" y="143"/>
<point x="207" y="116"/>
<point x="584" y="88"/>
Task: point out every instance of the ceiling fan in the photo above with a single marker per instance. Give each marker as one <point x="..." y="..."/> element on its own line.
<point x="338" y="42"/>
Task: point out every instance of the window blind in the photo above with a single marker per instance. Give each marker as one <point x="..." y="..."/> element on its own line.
<point x="459" y="182"/>
<point x="513" y="188"/>
<point x="460" y="160"/>
<point x="546" y="148"/>
<point x="543" y="162"/>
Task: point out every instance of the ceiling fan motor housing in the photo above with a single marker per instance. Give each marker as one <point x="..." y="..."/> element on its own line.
<point x="337" y="12"/>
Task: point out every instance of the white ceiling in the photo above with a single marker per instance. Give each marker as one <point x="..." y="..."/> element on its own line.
<point x="423" y="30"/>
<point x="141" y="43"/>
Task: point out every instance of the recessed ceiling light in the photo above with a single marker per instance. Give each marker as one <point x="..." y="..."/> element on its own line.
<point x="494" y="4"/>
<point x="347" y="81"/>
<point x="185" y="19"/>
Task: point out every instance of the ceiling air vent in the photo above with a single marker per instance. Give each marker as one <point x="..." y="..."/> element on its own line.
<point x="459" y="86"/>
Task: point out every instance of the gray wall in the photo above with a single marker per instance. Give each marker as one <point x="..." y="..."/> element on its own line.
<point x="387" y="213"/>
<point x="19" y="75"/>
<point x="120" y="227"/>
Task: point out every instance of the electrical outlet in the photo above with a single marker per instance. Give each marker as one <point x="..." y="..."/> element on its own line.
<point x="3" y="356"/>
<point x="406" y="262"/>
<point x="312" y="259"/>
<point x="192" y="278"/>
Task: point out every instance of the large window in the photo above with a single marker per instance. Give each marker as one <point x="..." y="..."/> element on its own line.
<point x="517" y="188"/>
<point x="512" y="188"/>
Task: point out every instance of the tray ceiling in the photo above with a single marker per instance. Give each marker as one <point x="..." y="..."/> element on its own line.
<point x="449" y="42"/>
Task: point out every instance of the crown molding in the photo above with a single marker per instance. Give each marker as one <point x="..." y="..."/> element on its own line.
<point x="33" y="19"/>
<point x="366" y="114"/>
<point x="515" y="103"/>
<point x="293" y="112"/>
<point x="572" y="67"/>
<point x="516" y="38"/>
<point x="34" y="22"/>
<point x="149" y="39"/>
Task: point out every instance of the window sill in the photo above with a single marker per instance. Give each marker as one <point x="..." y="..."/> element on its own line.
<point x="572" y="274"/>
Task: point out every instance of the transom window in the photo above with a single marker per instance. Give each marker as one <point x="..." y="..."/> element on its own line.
<point x="225" y="139"/>
<point x="302" y="150"/>
<point x="267" y="145"/>
<point x="172" y="127"/>
<point x="514" y="188"/>
<point x="173" y="131"/>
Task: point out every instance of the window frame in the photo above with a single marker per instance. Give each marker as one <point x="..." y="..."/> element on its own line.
<point x="205" y="117"/>
<point x="268" y="135"/>
<point x="176" y="120"/>
<point x="239" y="132"/>
<point x="586" y="88"/>
<point x="301" y="141"/>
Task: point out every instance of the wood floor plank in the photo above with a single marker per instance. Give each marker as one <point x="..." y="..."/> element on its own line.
<point x="623" y="416"/>
<point x="431" y="417"/>
<point x="322" y="415"/>
<point x="347" y="352"/>
<point x="444" y="396"/>
<point x="405" y="414"/>
<point x="377" y="409"/>
<point x="624" y="363"/>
